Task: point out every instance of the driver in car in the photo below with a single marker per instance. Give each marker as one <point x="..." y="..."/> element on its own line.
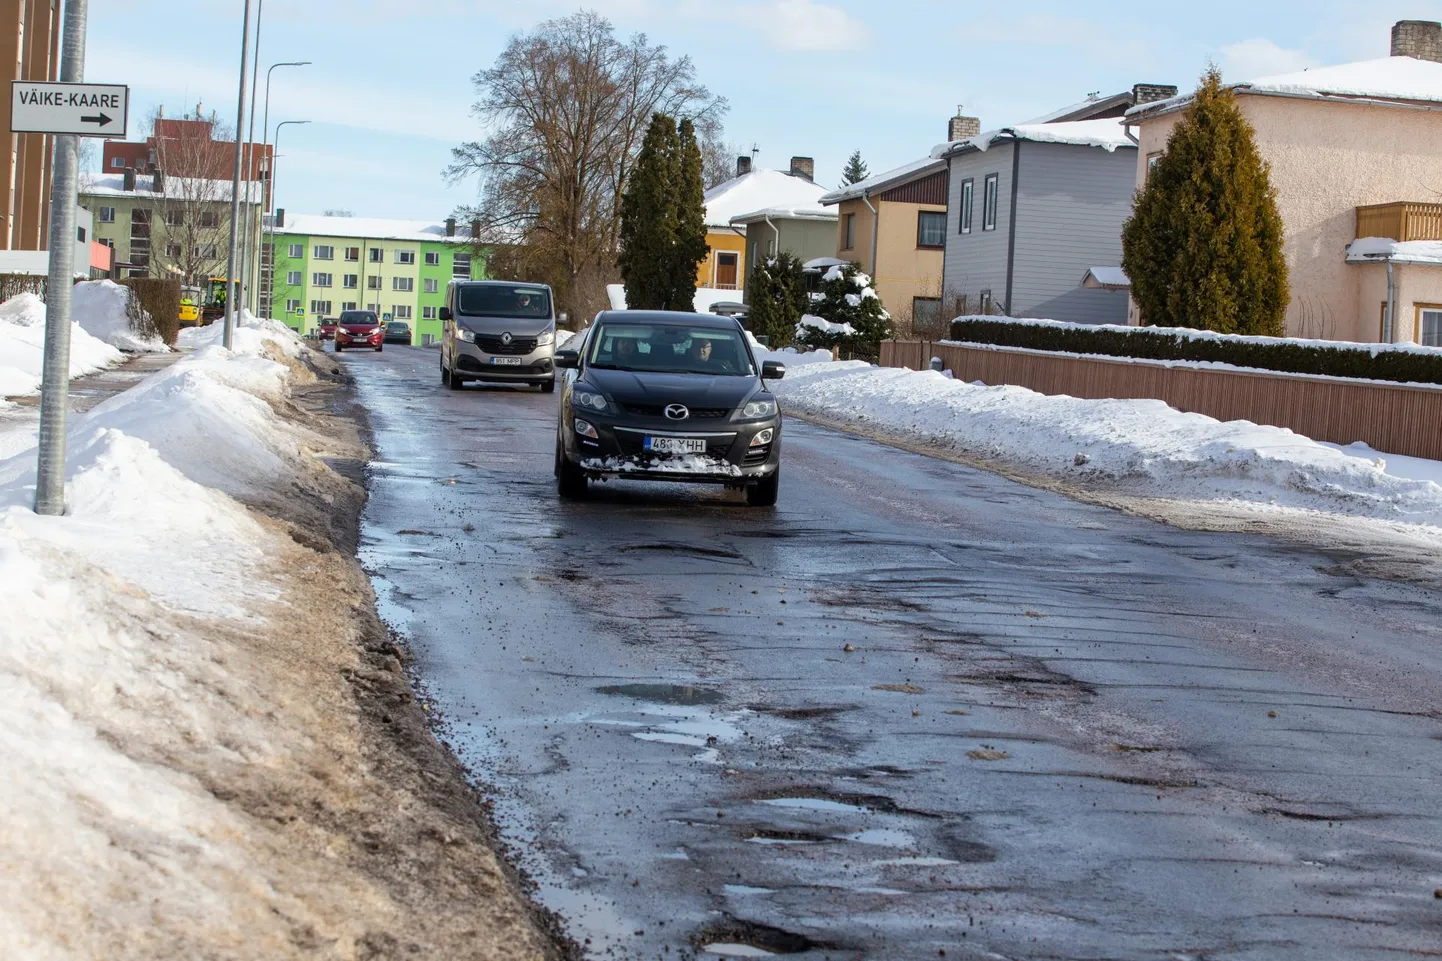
<point x="623" y="350"/>
<point x="699" y="353"/>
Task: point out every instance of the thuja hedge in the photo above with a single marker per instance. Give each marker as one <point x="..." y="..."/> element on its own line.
<point x="1403" y="363"/>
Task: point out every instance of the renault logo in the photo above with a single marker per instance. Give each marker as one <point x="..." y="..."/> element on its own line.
<point x="677" y="412"/>
<point x="506" y="338"/>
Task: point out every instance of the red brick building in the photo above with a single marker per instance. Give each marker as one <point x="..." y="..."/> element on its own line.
<point x="184" y="148"/>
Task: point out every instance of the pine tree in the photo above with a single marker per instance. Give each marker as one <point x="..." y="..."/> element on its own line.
<point x="855" y="170"/>
<point x="775" y="299"/>
<point x="690" y="246"/>
<point x="848" y="297"/>
<point x="1203" y="247"/>
<point x="648" y="219"/>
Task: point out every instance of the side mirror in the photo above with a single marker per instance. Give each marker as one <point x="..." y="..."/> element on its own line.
<point x="568" y="359"/>
<point x="772" y="370"/>
<point x="445" y="313"/>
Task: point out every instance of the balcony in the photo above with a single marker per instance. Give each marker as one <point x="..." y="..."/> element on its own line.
<point x="1401" y="221"/>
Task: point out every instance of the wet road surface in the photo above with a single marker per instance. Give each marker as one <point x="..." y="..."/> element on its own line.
<point x="916" y="709"/>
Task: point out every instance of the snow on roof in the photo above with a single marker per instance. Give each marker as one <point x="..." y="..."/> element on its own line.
<point x="1106" y="278"/>
<point x="896" y="176"/>
<point x="1108" y="134"/>
<point x="795" y="212"/>
<point x="1385" y="78"/>
<point x="1083" y="107"/>
<point x="756" y="190"/>
<point x="1381" y="249"/>
<point x="371" y="228"/>
<point x="174" y="188"/>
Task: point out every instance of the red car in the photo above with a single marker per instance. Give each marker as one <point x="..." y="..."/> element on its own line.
<point x="327" y="330"/>
<point x="359" y="328"/>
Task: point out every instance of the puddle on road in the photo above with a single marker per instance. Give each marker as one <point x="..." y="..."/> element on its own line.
<point x="684" y="694"/>
<point x="884" y="838"/>
<point x="815" y="804"/>
<point x="737" y="950"/>
<point x="742" y="890"/>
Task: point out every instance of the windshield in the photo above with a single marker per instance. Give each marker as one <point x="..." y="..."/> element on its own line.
<point x="398" y="325"/>
<point x="671" y="349"/>
<point x="502" y="300"/>
<point x="357" y="317"/>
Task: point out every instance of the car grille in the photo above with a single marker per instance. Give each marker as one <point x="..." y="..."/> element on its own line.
<point x="659" y="410"/>
<point x="756" y="456"/>
<point x="518" y="346"/>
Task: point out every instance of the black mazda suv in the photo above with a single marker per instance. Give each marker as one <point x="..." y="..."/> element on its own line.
<point x="657" y="395"/>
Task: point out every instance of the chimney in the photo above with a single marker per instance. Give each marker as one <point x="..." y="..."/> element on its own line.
<point x="962" y="128"/>
<point x="743" y="166"/>
<point x="803" y="167"/>
<point x="1420" y="39"/>
<point x="279" y="218"/>
<point x="450" y="226"/>
<point x="129" y="178"/>
<point x="1152" y="92"/>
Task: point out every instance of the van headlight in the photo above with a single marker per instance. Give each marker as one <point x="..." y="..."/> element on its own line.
<point x="547" y="338"/>
<point x="759" y="409"/>
<point x="469" y="336"/>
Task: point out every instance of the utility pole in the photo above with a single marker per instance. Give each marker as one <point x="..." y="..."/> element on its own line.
<point x="245" y="245"/>
<point x="55" y="382"/>
<point x="230" y="263"/>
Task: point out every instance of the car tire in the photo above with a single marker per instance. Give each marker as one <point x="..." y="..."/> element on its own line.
<point x="445" y="375"/>
<point x="570" y="479"/>
<point x="548" y="386"/>
<point x="379" y="348"/>
<point x="453" y="380"/>
<point x="337" y="347"/>
<point x="764" y="492"/>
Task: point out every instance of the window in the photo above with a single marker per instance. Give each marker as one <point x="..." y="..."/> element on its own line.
<point x="373" y="283"/>
<point x="925" y="313"/>
<point x="107" y="215"/>
<point x="174" y="218"/>
<point x="377" y="256"/>
<point x="968" y="191"/>
<point x="80" y="234"/>
<point x="323" y="252"/>
<point x="405" y="256"/>
<point x="400" y="311"/>
<point x="321" y="280"/>
<point x="1429" y="326"/>
<point x="428" y="313"/>
<point x="848" y="240"/>
<point x="347" y="305"/>
<point x="373" y="308"/>
<point x="207" y="251"/>
<point x="296" y="251"/>
<point x="172" y="251"/>
<point x="209" y="218"/>
<point x="352" y="254"/>
<point x="350" y="281"/>
<point x="403" y="284"/>
<point x="931" y="228"/>
<point x="432" y="285"/>
<point x="461" y="267"/>
<point x="319" y="308"/>
<point x="292" y="278"/>
<point x="291" y="306"/>
<point x="117" y="162"/>
<point x="988" y="203"/>
<point x="983" y="303"/>
<point x="433" y="258"/>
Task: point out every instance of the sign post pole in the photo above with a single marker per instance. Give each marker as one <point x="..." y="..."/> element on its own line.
<point x="55" y="382"/>
<point x="232" y="285"/>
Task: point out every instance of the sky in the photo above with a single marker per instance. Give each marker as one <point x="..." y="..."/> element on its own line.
<point x="389" y="92"/>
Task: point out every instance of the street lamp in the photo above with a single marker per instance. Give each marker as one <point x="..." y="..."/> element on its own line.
<point x="270" y="292"/>
<point x="265" y="189"/>
<point x="232" y="259"/>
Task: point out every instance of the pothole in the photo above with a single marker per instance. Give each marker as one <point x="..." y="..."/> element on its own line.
<point x="823" y="799"/>
<point x="688" y="695"/>
<point x="783" y="837"/>
<point x="736" y="938"/>
<point x="697" y="549"/>
<point x="804" y="713"/>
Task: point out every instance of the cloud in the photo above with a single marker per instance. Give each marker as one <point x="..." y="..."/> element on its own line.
<point x="806" y="25"/>
<point x="1259" y="57"/>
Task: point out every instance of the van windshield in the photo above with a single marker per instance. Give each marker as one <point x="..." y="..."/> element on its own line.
<point x="502" y="300"/>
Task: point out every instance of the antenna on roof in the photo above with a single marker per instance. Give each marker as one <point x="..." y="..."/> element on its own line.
<point x="754" y="151"/>
<point x="1094" y="95"/>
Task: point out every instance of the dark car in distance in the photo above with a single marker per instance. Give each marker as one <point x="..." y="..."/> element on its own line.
<point x="326" y="329"/>
<point x="398" y="332"/>
<point x="358" y="328"/>
<point x="659" y="395"/>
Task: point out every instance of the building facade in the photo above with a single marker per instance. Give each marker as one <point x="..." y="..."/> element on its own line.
<point x="29" y="50"/>
<point x="726" y="262"/>
<point x="397" y="268"/>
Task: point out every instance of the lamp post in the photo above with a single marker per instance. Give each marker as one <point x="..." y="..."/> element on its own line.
<point x="233" y="256"/>
<point x="265" y="189"/>
<point x="283" y="123"/>
<point x="245" y="251"/>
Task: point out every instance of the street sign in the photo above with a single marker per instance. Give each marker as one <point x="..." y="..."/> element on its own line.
<point x="82" y="109"/>
<point x="300" y="311"/>
<point x="386" y="317"/>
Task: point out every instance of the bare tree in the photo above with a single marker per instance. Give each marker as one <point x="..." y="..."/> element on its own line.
<point x="190" y="222"/>
<point x="718" y="161"/>
<point x="567" y="105"/>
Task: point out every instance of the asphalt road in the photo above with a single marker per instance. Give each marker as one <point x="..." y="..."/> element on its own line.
<point x="916" y="709"/>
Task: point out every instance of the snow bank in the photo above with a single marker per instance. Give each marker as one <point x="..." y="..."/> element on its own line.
<point x="251" y="336"/>
<point x="22" y="347"/>
<point x="825" y="326"/>
<point x="1138" y="446"/>
<point x="100" y="307"/>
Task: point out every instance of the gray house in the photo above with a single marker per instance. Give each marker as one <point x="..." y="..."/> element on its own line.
<point x="1031" y="209"/>
<point x="806" y="231"/>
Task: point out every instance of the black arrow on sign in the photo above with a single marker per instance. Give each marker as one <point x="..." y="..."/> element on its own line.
<point x="101" y="120"/>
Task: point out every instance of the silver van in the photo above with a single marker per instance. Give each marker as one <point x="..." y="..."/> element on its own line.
<point x="498" y="330"/>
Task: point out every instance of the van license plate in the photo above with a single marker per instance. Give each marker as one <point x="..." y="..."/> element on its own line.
<point x="676" y="445"/>
<point x="506" y="361"/>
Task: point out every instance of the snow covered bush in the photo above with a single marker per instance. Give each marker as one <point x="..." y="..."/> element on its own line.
<point x="776" y="299"/>
<point x="113" y="313"/>
<point x="849" y="315"/>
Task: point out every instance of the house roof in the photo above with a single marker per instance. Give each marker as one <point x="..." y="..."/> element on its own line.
<point x="795" y="212"/>
<point x="895" y="177"/>
<point x="371" y="228"/>
<point x="1404" y="79"/>
<point x="1085" y="109"/>
<point x="1382" y="249"/>
<point x="173" y="188"/>
<point x="1108" y="134"/>
<point x="755" y="191"/>
<point x="1106" y="278"/>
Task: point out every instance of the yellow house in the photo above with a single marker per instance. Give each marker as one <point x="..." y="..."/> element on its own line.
<point x="724" y="268"/>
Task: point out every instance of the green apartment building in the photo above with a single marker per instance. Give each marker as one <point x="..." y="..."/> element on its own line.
<point x="397" y="268"/>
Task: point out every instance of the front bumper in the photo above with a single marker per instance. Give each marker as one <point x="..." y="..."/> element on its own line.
<point x="351" y="340"/>
<point x="618" y="451"/>
<point x="535" y="365"/>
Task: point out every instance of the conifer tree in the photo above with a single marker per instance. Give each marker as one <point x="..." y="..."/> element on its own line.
<point x="648" y="219"/>
<point x="855" y="170"/>
<point x="775" y="299"/>
<point x="690" y="245"/>
<point x="849" y="298"/>
<point x="1203" y="247"/>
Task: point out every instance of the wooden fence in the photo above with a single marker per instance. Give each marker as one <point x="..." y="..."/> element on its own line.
<point x="1394" y="418"/>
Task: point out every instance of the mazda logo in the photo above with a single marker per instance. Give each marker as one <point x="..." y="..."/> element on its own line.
<point x="677" y="412"/>
<point x="506" y="337"/>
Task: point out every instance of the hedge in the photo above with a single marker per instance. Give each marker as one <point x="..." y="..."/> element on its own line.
<point x="12" y="285"/>
<point x="1404" y="363"/>
<point x="161" y="300"/>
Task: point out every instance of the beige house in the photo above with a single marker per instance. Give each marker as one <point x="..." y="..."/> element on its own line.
<point x="1356" y="153"/>
<point x="894" y="226"/>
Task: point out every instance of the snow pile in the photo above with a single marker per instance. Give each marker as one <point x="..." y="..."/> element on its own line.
<point x="1366" y="249"/>
<point x="1390" y="78"/>
<point x="22" y="347"/>
<point x="705" y="465"/>
<point x="1107" y="134"/>
<point x="757" y="190"/>
<point x="1137" y="446"/>
<point x="100" y="306"/>
<point x="826" y="326"/>
<point x="251" y="336"/>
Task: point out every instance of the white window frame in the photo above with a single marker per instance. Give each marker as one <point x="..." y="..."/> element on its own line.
<point x="296" y="251"/>
<point x="403" y="285"/>
<point x="350" y="281"/>
<point x="322" y="279"/>
<point x="291" y="306"/>
<point x="400" y="311"/>
<point x="456" y="261"/>
<point x="319" y="308"/>
<point x="294" y="278"/>
<point x="376" y="255"/>
<point x="430" y="313"/>
<point x="433" y="258"/>
<point x="373" y="308"/>
<point x="1422" y="322"/>
<point x="405" y="255"/>
<point x="352" y="255"/>
<point x="968" y="196"/>
<point x="107" y="215"/>
<point x="374" y="282"/>
<point x="432" y="285"/>
<point x="323" y="252"/>
<point x="990" y="190"/>
<point x="347" y="305"/>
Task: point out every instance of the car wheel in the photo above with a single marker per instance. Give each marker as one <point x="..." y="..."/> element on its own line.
<point x="763" y="493"/>
<point x="337" y="347"/>
<point x="570" y="479"/>
<point x="445" y="375"/>
<point x="454" y="381"/>
<point x="548" y="386"/>
<point x="379" y="348"/>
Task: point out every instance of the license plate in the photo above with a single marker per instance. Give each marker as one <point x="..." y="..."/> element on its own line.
<point x="676" y="445"/>
<point x="506" y="361"/>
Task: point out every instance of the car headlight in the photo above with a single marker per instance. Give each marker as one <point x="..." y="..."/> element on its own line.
<point x="763" y="437"/>
<point x="758" y="409"/>
<point x="547" y="338"/>
<point x="588" y="399"/>
<point x="469" y="336"/>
